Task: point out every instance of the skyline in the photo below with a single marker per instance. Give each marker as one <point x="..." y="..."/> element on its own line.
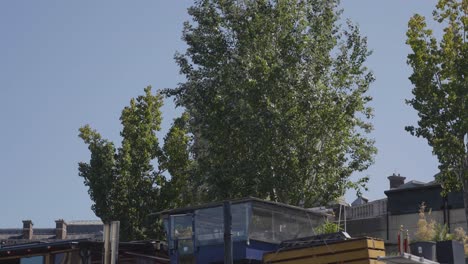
<point x="65" y="65"/>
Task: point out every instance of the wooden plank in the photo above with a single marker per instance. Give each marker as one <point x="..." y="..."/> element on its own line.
<point x="331" y="249"/>
<point x="302" y="252"/>
<point x="365" y="261"/>
<point x="375" y="243"/>
<point x="346" y="257"/>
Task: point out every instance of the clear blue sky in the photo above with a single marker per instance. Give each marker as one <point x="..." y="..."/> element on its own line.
<point x="64" y="64"/>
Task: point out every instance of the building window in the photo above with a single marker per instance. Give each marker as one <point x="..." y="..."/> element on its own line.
<point x="32" y="260"/>
<point x="61" y="258"/>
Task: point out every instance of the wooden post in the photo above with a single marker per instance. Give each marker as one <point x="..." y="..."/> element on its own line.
<point x="111" y="242"/>
<point x="47" y="259"/>
<point x="106" y="243"/>
<point x="114" y="243"/>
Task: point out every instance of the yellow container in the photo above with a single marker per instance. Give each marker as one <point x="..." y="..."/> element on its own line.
<point x="363" y="250"/>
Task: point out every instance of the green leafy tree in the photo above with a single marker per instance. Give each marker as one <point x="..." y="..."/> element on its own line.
<point x="327" y="227"/>
<point x="440" y="90"/>
<point x="276" y="100"/>
<point x="123" y="182"/>
<point x="181" y="189"/>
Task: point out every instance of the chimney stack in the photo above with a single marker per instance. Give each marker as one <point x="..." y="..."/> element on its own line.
<point x="27" y="229"/>
<point x="60" y="229"/>
<point x="396" y="180"/>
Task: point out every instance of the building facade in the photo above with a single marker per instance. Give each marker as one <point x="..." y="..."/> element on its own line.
<point x="383" y="218"/>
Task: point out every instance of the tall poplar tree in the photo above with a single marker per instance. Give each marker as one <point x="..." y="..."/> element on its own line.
<point x="128" y="183"/>
<point x="440" y="69"/>
<point x="276" y="98"/>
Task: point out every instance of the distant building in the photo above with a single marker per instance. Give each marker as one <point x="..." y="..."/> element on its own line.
<point x="82" y="251"/>
<point x="382" y="218"/>
<point x="63" y="231"/>
<point x="360" y="201"/>
<point x="72" y="242"/>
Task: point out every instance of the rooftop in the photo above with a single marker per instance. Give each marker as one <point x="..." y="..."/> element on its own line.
<point x="235" y="201"/>
<point x="75" y="229"/>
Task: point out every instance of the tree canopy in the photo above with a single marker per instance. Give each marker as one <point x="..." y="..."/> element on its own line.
<point x="276" y="100"/>
<point x="440" y="89"/>
<point x="129" y="182"/>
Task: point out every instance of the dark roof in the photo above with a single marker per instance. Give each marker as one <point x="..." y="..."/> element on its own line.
<point x="84" y="229"/>
<point x="38" y="245"/>
<point x="414" y="185"/>
<point x="6" y="233"/>
<point x="360" y="200"/>
<point x="44" y="231"/>
<point x="234" y="201"/>
<point x="128" y="251"/>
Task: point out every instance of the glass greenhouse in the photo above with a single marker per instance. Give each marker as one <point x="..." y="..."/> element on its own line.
<point x="196" y="234"/>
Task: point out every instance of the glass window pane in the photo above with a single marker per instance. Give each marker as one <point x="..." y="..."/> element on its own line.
<point x="61" y="258"/>
<point x="32" y="260"/>
<point x="185" y="246"/>
<point x="240" y="221"/>
<point x="181" y="226"/>
<point x="209" y="224"/>
<point x="275" y="224"/>
<point x="166" y="227"/>
<point x="181" y="234"/>
<point x="262" y="224"/>
<point x="209" y="227"/>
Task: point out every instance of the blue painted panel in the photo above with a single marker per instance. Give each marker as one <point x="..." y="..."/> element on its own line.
<point x="256" y="249"/>
<point x="215" y="253"/>
<point x="241" y="251"/>
<point x="32" y="260"/>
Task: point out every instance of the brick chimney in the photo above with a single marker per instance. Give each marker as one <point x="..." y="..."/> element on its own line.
<point x="396" y="180"/>
<point x="60" y="229"/>
<point x="27" y="229"/>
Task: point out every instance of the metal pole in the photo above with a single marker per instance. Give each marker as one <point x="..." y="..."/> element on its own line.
<point x="111" y="242"/>
<point x="227" y="233"/>
<point x="107" y="247"/>
<point x="114" y="242"/>
<point x="344" y="207"/>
